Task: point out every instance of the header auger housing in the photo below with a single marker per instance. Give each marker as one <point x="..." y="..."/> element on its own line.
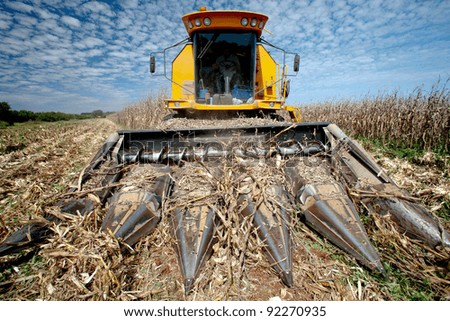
<point x="152" y="167"/>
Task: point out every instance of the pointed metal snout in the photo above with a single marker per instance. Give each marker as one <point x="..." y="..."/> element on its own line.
<point x="194" y="231"/>
<point x="25" y="237"/>
<point x="329" y="211"/>
<point x="273" y="230"/>
<point x="134" y="214"/>
<point x="414" y="220"/>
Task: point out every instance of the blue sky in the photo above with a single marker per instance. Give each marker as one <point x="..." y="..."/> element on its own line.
<point x="78" y="55"/>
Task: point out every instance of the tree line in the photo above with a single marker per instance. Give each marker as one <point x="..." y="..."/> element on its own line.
<point x="9" y="117"/>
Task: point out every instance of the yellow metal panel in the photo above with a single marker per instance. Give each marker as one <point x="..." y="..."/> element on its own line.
<point x="183" y="74"/>
<point x="266" y="74"/>
<point x="257" y="104"/>
<point x="295" y="113"/>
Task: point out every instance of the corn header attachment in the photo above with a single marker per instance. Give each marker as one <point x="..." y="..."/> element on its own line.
<point x="328" y="205"/>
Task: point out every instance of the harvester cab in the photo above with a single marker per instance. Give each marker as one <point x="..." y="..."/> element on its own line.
<point x="224" y="65"/>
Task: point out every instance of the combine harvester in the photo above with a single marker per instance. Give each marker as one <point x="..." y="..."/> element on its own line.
<point x="225" y="66"/>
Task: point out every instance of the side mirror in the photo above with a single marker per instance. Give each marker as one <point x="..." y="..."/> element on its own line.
<point x="152" y="64"/>
<point x="296" y="62"/>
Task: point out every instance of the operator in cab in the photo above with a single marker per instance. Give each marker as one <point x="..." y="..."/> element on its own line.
<point x="229" y="69"/>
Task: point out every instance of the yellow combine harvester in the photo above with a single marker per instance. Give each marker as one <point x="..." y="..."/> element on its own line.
<point x="224" y="65"/>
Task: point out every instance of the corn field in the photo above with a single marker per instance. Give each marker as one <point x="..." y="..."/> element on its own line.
<point x="146" y="114"/>
<point x="419" y="120"/>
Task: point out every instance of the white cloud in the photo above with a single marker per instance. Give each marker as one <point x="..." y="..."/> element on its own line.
<point x="98" y="7"/>
<point x="89" y="42"/>
<point x="129" y="4"/>
<point x="25" y="20"/>
<point x="94" y="52"/>
<point x="4" y="24"/>
<point x="22" y="33"/>
<point x="45" y="14"/>
<point x="71" y="21"/>
<point x="19" y="6"/>
<point x="124" y="21"/>
<point x="42" y="40"/>
<point x="5" y="20"/>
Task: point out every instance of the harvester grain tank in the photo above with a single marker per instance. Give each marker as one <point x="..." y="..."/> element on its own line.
<point x="224" y="66"/>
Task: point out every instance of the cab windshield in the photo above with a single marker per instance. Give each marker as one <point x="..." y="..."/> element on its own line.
<point x="224" y="67"/>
